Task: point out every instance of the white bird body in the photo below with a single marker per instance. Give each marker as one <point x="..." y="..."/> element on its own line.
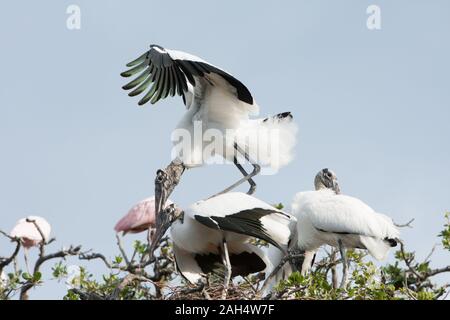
<point x="192" y="236"/>
<point x="327" y="217"/>
<point x="324" y="217"/>
<point x="236" y="218"/>
<point x="216" y="99"/>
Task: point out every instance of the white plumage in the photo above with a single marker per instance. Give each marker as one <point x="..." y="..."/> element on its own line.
<point x="326" y="217"/>
<point x="231" y="219"/>
<point x="219" y="105"/>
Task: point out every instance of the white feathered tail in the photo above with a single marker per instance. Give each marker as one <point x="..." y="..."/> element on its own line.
<point x="270" y="141"/>
<point x="379" y="247"/>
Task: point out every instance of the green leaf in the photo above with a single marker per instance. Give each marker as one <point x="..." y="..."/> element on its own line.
<point x="37" y="276"/>
<point x="26" y="276"/>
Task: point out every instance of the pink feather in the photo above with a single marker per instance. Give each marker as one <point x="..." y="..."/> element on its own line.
<point x="139" y="218"/>
<point x="28" y="233"/>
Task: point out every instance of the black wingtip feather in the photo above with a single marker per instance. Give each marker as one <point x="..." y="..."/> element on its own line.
<point x="392" y="242"/>
<point x="125" y="74"/>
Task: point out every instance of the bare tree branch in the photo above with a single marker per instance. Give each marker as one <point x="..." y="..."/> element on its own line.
<point x="72" y="251"/>
<point x="6" y="261"/>
<point x="92" y="256"/>
<point x="407" y="224"/>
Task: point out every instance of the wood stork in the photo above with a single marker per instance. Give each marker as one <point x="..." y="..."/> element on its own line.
<point x="218" y="101"/>
<point x="218" y="230"/>
<point x="139" y="218"/>
<point x="325" y="216"/>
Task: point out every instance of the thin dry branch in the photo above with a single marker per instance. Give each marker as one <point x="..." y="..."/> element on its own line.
<point x="6" y="261"/>
<point x="127" y="280"/>
<point x="404" y="225"/>
<point x="72" y="251"/>
<point x="93" y="256"/>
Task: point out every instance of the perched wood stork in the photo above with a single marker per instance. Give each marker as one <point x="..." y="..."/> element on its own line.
<point x="325" y="216"/>
<point x="218" y="230"/>
<point x="215" y="100"/>
<point x="139" y="218"/>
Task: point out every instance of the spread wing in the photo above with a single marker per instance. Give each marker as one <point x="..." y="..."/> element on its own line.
<point x="162" y="72"/>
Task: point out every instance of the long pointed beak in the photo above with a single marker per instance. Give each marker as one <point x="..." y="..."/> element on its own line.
<point x="336" y="187"/>
<point x="160" y="202"/>
<point x="164" y="220"/>
<point x="165" y="182"/>
<point x="161" y="192"/>
<point x="163" y="223"/>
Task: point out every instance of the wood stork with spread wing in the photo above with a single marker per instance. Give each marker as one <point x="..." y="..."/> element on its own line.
<point x="325" y="216"/>
<point x="215" y="100"/>
<point x="218" y="230"/>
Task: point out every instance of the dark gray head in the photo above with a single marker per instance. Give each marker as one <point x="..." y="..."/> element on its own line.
<point x="326" y="179"/>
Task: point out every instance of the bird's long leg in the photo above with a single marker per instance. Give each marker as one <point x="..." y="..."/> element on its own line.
<point x="227" y="264"/>
<point x="247" y="176"/>
<point x="25" y="257"/>
<point x="294" y="256"/>
<point x="344" y="264"/>
<point x="334" y="277"/>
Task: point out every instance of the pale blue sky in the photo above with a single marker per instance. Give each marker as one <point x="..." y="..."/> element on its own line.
<point x="372" y="105"/>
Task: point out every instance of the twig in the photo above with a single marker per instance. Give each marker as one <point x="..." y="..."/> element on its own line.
<point x="72" y="251"/>
<point x="6" y="261"/>
<point x="86" y="295"/>
<point x="128" y="279"/>
<point x="430" y="254"/>
<point x="403" y="225"/>
<point x="437" y="271"/>
<point x="92" y="256"/>
<point x="408" y="261"/>
<point x="44" y="240"/>
<point x="8" y="236"/>
<point x="122" y="251"/>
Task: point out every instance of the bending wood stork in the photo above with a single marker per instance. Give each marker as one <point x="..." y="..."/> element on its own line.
<point x="139" y="218"/>
<point x="325" y="216"/>
<point x="215" y="100"/>
<point x="218" y="230"/>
